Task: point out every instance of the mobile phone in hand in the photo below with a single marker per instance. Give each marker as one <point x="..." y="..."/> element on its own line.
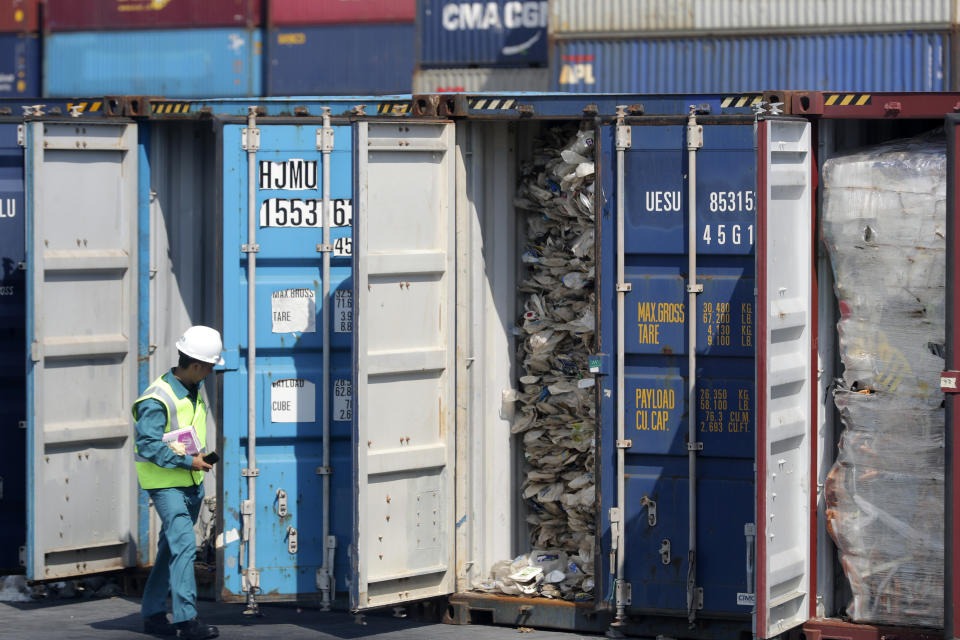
<point x="211" y="458"/>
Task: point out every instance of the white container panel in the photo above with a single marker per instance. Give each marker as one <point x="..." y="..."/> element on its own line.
<point x="477" y="80"/>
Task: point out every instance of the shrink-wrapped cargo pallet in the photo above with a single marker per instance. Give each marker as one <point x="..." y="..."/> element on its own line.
<point x="555" y="406"/>
<point x="884" y="228"/>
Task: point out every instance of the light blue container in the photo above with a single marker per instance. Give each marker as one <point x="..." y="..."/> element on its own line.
<point x="904" y="61"/>
<point x="176" y="64"/>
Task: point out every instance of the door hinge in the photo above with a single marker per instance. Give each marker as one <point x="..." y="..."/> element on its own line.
<point x="322" y="580"/>
<point x="291" y="540"/>
<point x="665" y="551"/>
<point x="23" y="555"/>
<point x="324" y="248"/>
<point x="325" y="140"/>
<point x="21" y="136"/>
<point x="324" y="471"/>
<point x="694" y="288"/>
<point x="250" y="139"/>
<point x="694" y="446"/>
<point x="624" y="137"/>
<point x="614" y="528"/>
<point x="36" y="351"/>
<point x="624" y="593"/>
<point x="698" y="598"/>
<point x="250" y="473"/>
<point x="250" y="248"/>
<point x="949" y="381"/>
<point x="624" y="444"/>
<point x="651" y="506"/>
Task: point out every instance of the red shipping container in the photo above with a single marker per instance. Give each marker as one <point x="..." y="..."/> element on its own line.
<point x="318" y="12"/>
<point x="17" y="16"/>
<point x="96" y="15"/>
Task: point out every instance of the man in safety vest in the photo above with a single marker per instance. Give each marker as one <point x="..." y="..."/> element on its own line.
<point x="174" y="481"/>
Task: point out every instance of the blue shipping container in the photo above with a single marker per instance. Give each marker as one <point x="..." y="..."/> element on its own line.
<point x="289" y="305"/>
<point x="908" y="61"/>
<point x="352" y="59"/>
<point x="13" y="347"/>
<point x="502" y="33"/>
<point x="176" y="64"/>
<point x="19" y="66"/>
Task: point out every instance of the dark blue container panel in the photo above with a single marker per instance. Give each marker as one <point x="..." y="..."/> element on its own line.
<point x="505" y="33"/>
<point x="905" y="61"/>
<point x="13" y="394"/>
<point x="352" y="59"/>
<point x="189" y="63"/>
<point x="19" y="66"/>
<point x="656" y="364"/>
<point x="289" y="335"/>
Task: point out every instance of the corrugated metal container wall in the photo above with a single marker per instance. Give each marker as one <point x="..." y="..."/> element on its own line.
<point x="181" y="64"/>
<point x="851" y="62"/>
<point x="88" y="15"/>
<point x="19" y="66"/>
<point x="13" y="345"/>
<point x="471" y="80"/>
<point x="341" y="60"/>
<point x="502" y="33"/>
<point x="19" y="15"/>
<point x="316" y="12"/>
<point x="617" y="16"/>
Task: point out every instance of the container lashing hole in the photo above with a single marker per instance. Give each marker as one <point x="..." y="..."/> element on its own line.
<point x="804" y="103"/>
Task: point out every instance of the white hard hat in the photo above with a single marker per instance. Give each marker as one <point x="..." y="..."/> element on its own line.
<point x="201" y="343"/>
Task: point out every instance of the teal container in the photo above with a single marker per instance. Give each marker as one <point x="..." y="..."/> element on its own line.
<point x="176" y="64"/>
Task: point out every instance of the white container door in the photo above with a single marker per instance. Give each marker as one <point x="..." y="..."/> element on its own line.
<point x="785" y="377"/>
<point x="404" y="363"/>
<point x="82" y="338"/>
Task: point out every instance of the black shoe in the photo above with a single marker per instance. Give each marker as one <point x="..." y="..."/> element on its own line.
<point x="158" y="625"/>
<point x="196" y="630"/>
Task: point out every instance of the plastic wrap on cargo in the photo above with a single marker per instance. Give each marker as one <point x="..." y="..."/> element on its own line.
<point x="554" y="404"/>
<point x="884" y="224"/>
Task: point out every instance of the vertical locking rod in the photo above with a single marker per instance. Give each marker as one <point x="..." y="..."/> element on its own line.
<point x="253" y="576"/>
<point x="326" y="570"/>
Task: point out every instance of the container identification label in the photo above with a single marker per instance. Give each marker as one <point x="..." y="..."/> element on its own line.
<point x="342" y="400"/>
<point x="297" y="212"/>
<point x="294" y="174"/>
<point x="293" y="400"/>
<point x="8" y="208"/>
<point x="342" y="311"/>
<point x="746" y="599"/>
<point x="294" y="310"/>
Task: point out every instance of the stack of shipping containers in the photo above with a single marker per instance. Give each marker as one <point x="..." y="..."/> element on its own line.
<point x="481" y="46"/>
<point x="649" y="46"/>
<point x="340" y="47"/>
<point x="19" y="49"/>
<point x="178" y="48"/>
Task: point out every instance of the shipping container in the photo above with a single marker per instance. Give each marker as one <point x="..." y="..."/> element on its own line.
<point x="102" y="15"/>
<point x="20" y="16"/>
<point x="476" y="80"/>
<point x="903" y="61"/>
<point x="604" y="18"/>
<point x="316" y="12"/>
<point x="188" y="63"/>
<point x="345" y="59"/>
<point x="13" y="391"/>
<point x="371" y="461"/>
<point x="19" y="66"/>
<point x="486" y="34"/>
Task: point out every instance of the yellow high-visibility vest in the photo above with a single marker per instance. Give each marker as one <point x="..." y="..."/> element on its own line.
<point x="180" y="414"/>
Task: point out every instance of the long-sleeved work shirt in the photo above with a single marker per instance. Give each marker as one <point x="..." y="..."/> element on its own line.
<point x="152" y="422"/>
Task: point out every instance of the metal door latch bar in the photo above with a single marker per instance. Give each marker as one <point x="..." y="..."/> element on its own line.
<point x="250" y="139"/>
<point x="281" y="503"/>
<point x="324" y="471"/>
<point x="624" y="286"/>
<point x="694" y="446"/>
<point x="247" y="473"/>
<point x="624" y="444"/>
<point x="249" y="248"/>
<point x="694" y="288"/>
<point x="324" y="248"/>
<point x="291" y="540"/>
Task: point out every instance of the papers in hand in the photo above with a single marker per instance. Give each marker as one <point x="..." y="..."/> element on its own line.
<point x="185" y="438"/>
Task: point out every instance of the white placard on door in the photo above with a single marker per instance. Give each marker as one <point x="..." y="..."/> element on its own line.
<point x="293" y="400"/>
<point x="294" y="310"/>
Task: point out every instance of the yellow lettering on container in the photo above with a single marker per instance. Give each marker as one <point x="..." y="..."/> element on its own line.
<point x="291" y="38"/>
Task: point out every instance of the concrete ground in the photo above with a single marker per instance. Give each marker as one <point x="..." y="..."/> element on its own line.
<point x="119" y="617"/>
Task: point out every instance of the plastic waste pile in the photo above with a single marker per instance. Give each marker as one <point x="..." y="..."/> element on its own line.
<point x="555" y="408"/>
<point x="884" y="228"/>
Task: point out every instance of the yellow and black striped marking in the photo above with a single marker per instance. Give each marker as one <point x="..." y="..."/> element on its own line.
<point x="164" y="108"/>
<point x="82" y="106"/>
<point x="393" y="108"/>
<point x="743" y="100"/>
<point x="492" y="104"/>
<point x="847" y="99"/>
